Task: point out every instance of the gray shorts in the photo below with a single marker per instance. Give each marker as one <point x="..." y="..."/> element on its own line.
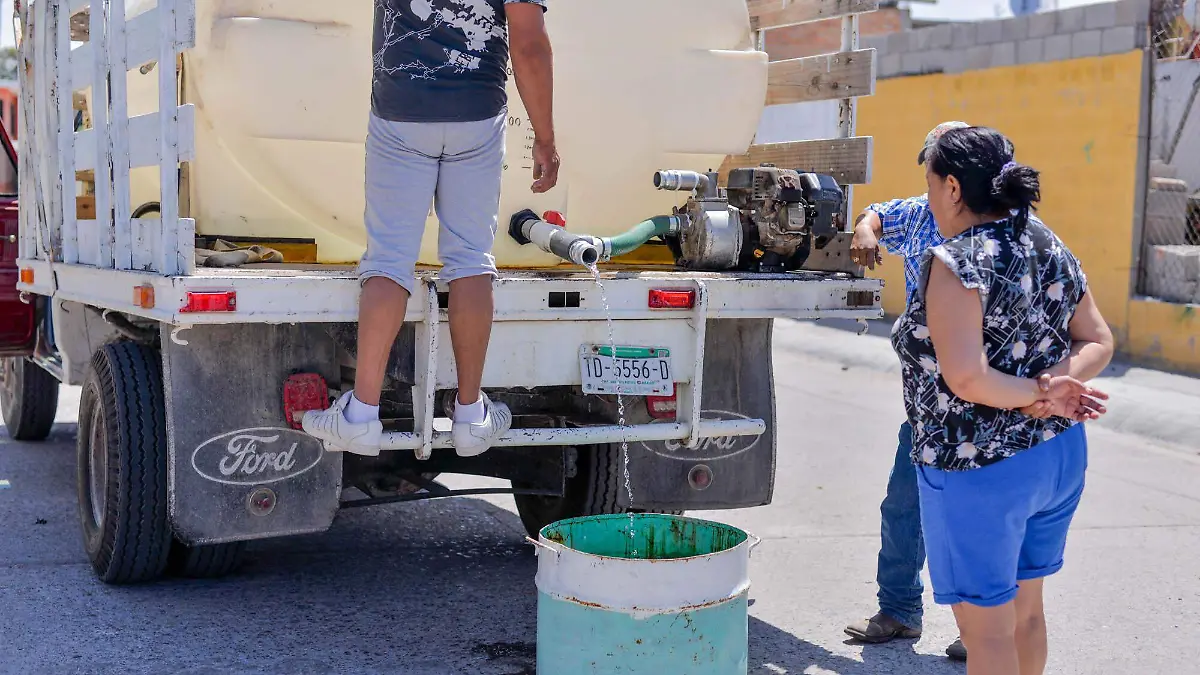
<point x="455" y="166"/>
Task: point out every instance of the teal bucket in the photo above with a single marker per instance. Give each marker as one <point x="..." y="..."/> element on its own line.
<point x="670" y="599"/>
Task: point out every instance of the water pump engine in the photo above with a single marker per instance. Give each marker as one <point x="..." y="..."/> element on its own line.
<point x="766" y="220"/>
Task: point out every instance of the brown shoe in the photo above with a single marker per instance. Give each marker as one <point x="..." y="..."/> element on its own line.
<point x="881" y="628"/>
<point x="957" y="651"/>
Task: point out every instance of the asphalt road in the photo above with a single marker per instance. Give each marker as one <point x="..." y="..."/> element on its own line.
<point x="447" y="587"/>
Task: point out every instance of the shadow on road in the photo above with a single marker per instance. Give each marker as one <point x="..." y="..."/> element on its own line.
<point x="774" y="651"/>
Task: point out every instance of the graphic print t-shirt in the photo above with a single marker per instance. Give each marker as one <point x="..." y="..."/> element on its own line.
<point x="440" y="60"/>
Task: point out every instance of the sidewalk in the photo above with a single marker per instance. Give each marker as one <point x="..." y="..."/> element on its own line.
<point x="1147" y="403"/>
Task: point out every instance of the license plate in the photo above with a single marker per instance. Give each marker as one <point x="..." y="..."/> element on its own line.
<point x="637" y="371"/>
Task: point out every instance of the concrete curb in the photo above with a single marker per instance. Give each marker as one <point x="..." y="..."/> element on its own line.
<point x="1146" y="403"/>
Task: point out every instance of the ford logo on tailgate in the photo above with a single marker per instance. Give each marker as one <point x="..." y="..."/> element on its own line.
<point x="708" y="449"/>
<point x="256" y="456"/>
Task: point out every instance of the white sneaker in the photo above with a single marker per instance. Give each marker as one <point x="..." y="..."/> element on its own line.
<point x="340" y="435"/>
<point x="472" y="440"/>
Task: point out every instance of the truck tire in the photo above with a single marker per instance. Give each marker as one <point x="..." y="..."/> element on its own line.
<point x="595" y="490"/>
<point x="28" y="398"/>
<point x="122" y="465"/>
<point x="209" y="561"/>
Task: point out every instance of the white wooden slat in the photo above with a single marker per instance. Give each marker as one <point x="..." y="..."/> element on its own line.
<point x="82" y="68"/>
<point x="145" y="143"/>
<point x="118" y="137"/>
<point x="27" y="249"/>
<point x="168" y="107"/>
<point x="185" y="247"/>
<point x="103" y="159"/>
<point x="66" y="141"/>
<point x="47" y="140"/>
<point x="147" y="243"/>
<point x="144" y="33"/>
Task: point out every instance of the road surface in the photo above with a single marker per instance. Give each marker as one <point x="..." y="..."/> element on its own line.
<point x="441" y="588"/>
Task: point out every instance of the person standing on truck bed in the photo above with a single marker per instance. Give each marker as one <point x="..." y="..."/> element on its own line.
<point x="436" y="134"/>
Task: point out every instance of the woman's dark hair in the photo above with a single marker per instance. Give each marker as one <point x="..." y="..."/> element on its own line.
<point x="982" y="161"/>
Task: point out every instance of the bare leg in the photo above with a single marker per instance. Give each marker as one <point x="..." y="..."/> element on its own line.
<point x="471" y="311"/>
<point x="1032" y="647"/>
<point x="990" y="636"/>
<point x="380" y="316"/>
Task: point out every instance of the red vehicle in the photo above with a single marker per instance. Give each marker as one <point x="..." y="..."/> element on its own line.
<point x="28" y="393"/>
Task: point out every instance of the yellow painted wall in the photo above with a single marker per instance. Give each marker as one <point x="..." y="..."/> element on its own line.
<point x="1077" y="122"/>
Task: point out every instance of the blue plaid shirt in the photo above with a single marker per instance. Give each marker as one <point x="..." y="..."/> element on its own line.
<point x="908" y="231"/>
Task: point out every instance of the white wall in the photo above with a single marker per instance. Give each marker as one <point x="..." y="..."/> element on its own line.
<point x="1173" y="82"/>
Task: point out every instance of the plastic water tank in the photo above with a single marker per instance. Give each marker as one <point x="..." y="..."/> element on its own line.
<point x="282" y="96"/>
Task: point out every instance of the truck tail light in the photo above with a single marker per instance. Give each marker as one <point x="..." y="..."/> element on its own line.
<point x="221" y="301"/>
<point x="662" y="407"/>
<point x="301" y="393"/>
<point x="664" y="299"/>
<point x="27" y="276"/>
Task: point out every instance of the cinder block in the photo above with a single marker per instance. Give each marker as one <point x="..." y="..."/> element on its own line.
<point x="1133" y="12"/>
<point x="1015" y="30"/>
<point x="1004" y="54"/>
<point x="1097" y="17"/>
<point x="1173" y="272"/>
<point x="1058" y="48"/>
<point x="898" y="43"/>
<point x="979" y="58"/>
<point x="1070" y="20"/>
<point x="941" y="37"/>
<point x="1086" y="43"/>
<point x="912" y="63"/>
<point x="1120" y="39"/>
<point x="964" y="35"/>
<point x="1031" y="51"/>
<point x="889" y="66"/>
<point x="1042" y="25"/>
<point x="919" y="40"/>
<point x="989" y="32"/>
<point x="877" y="42"/>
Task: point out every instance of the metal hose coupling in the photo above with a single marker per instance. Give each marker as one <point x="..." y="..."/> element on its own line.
<point x="526" y="227"/>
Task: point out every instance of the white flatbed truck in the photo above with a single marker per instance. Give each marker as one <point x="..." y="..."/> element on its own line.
<point x="193" y="378"/>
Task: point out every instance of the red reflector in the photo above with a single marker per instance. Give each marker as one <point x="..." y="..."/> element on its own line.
<point x="662" y="407"/>
<point x="301" y="393"/>
<point x="223" y="301"/>
<point x="555" y="218"/>
<point x="672" y="299"/>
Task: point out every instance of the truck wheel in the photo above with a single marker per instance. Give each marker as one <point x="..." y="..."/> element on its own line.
<point x="122" y="465"/>
<point x="28" y="398"/>
<point x="206" y="561"/>
<point x="595" y="490"/>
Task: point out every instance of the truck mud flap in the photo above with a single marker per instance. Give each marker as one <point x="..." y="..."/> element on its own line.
<point x="238" y="471"/>
<point x="738" y="384"/>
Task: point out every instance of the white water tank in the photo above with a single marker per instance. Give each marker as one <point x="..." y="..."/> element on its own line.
<point x="282" y="95"/>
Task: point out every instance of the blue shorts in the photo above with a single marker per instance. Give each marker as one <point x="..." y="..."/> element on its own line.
<point x="988" y="529"/>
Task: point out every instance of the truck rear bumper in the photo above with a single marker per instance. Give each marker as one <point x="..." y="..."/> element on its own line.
<point x="324" y="294"/>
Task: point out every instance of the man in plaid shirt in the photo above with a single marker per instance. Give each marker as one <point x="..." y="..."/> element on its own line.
<point x="905" y="227"/>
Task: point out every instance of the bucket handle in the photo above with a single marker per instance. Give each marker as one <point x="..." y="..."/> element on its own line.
<point x="754" y="542"/>
<point x="542" y="546"/>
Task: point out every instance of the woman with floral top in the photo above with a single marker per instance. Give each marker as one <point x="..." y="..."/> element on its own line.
<point x="995" y="348"/>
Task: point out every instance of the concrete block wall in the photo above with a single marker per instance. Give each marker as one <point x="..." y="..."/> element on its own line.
<point x="1091" y="30"/>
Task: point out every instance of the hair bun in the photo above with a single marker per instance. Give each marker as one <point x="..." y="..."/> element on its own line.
<point x="1017" y="186"/>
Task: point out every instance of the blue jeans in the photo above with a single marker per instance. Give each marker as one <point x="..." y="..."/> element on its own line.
<point x="902" y="550"/>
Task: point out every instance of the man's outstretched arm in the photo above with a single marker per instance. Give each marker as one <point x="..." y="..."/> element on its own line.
<point x="533" y="66"/>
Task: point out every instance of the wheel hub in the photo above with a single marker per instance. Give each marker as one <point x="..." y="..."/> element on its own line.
<point x="8" y="381"/>
<point x="97" y="464"/>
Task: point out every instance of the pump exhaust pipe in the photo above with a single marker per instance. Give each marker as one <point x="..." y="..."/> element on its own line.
<point x="527" y="228"/>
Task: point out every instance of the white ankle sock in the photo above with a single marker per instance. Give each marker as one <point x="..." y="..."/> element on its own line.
<point x="358" y="412"/>
<point x="472" y="413"/>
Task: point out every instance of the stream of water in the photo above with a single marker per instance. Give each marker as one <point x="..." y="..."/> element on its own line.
<point x="612" y="345"/>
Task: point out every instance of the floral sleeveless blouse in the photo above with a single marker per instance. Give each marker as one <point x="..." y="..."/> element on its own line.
<point x="1030" y="286"/>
